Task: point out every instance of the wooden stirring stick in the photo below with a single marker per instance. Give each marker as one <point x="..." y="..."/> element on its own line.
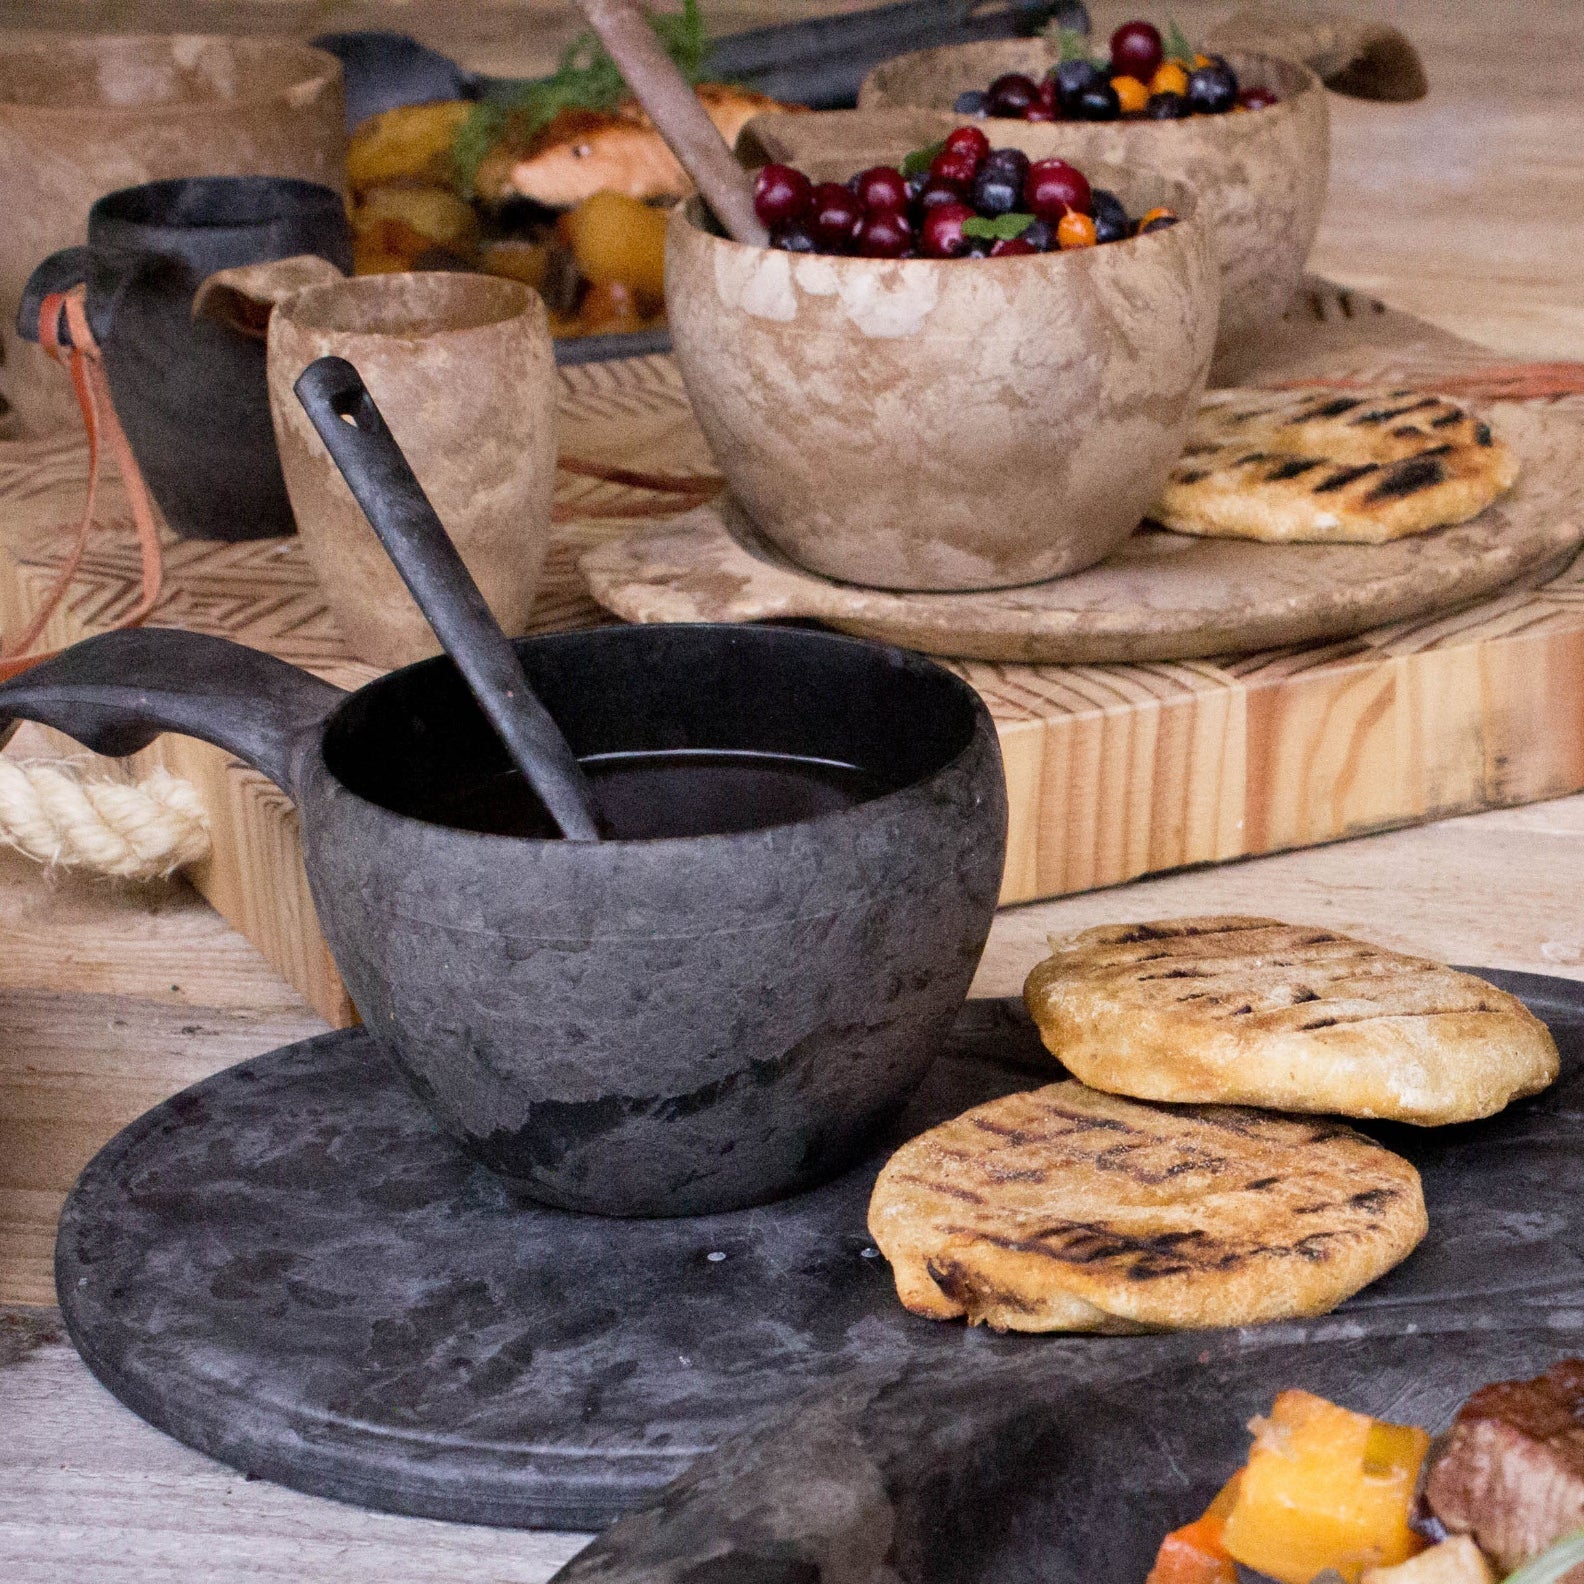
<point x="670" y="102"/>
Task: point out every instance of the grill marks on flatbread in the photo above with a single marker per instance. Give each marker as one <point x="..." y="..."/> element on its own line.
<point x="1324" y="467"/>
<point x="1250" y="1011"/>
<point x="1064" y="1209"/>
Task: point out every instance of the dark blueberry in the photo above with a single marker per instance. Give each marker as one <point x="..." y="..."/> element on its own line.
<point x="995" y="194"/>
<point x="1167" y="107"/>
<point x="1073" y="76"/>
<point x="792" y="238"/>
<point x="1010" y="96"/>
<point x="1041" y="237"/>
<point x="1098" y="102"/>
<point x="970" y="103"/>
<point x="1011" y="163"/>
<point x="939" y="190"/>
<point x="979" y="247"/>
<point x="915" y="186"/>
<point x="1110" y="218"/>
<point x="1212" y="90"/>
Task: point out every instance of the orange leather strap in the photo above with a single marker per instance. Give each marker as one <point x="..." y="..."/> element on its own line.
<point x="689" y="490"/>
<point x="1490" y="381"/>
<point x="82" y="362"/>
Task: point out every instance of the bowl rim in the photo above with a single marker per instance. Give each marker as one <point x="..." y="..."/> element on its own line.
<point x="1309" y="83"/>
<point x="1185" y="203"/>
<point x="317" y="67"/>
<point x="885" y="804"/>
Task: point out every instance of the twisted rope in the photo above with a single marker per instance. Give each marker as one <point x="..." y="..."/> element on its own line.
<point x="142" y="830"/>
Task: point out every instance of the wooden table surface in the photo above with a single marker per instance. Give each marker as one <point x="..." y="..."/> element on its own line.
<point x="1467" y="209"/>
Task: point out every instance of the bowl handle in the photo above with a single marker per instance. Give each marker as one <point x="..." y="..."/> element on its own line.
<point x="117" y="692"/>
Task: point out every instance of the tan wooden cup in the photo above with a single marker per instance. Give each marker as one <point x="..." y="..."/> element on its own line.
<point x="463" y="368"/>
<point x="84" y="116"/>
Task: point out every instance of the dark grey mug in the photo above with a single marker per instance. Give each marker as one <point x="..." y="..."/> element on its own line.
<point x="192" y="396"/>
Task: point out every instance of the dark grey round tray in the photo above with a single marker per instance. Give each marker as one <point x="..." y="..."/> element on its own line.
<point x="289" y="1268"/>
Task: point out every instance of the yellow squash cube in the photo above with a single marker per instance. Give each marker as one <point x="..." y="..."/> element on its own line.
<point x="1325" y="1488"/>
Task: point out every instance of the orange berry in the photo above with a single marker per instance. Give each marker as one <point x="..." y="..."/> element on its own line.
<point x="1154" y="217"/>
<point x="1131" y="94"/>
<point x="1169" y="78"/>
<point x="1203" y="60"/>
<point x="1075" y="230"/>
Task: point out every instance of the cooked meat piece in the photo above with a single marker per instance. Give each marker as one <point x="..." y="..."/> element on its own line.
<point x="1512" y="1474"/>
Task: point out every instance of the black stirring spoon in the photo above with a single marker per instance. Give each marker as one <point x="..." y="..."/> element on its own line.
<point x="384" y="485"/>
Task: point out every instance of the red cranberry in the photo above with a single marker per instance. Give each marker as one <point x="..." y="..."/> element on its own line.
<point x="1039" y="112"/>
<point x="955" y="167"/>
<point x="1010" y="247"/>
<point x="1257" y="98"/>
<point x="1011" y="95"/>
<point x="781" y="195"/>
<point x="969" y="142"/>
<point x="884" y="233"/>
<point x="881" y="189"/>
<point x="942" y="234"/>
<point x="833" y="212"/>
<point x="1136" y="51"/>
<point x="1052" y="187"/>
<point x="1048" y="92"/>
<point x="937" y="191"/>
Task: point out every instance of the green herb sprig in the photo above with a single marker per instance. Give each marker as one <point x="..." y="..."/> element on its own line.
<point x="1177" y="46"/>
<point x="585" y="78"/>
<point x="1004" y="228"/>
<point x="1071" y="43"/>
<point x="921" y="159"/>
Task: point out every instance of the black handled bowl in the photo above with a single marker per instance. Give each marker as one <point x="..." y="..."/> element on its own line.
<point x="631" y="1027"/>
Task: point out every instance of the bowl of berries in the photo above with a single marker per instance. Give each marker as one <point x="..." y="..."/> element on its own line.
<point x="950" y="382"/>
<point x="1250" y="134"/>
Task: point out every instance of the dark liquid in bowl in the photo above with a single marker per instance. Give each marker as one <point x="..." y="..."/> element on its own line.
<point x="673" y="793"/>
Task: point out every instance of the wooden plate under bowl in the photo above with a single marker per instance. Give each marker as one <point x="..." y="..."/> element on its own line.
<point x="1162" y="596"/>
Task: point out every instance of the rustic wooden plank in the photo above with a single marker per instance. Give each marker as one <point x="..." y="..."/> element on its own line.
<point x="89" y="1494"/>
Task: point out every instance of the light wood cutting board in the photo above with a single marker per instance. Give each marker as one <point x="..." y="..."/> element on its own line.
<point x="1113" y="771"/>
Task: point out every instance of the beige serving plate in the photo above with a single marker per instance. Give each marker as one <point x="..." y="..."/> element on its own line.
<point x="1161" y="596"/>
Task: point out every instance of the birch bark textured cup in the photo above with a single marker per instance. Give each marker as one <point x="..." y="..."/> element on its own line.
<point x="81" y="117"/>
<point x="463" y="368"/>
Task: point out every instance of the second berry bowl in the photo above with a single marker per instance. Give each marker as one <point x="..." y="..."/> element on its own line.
<point x="946" y="424"/>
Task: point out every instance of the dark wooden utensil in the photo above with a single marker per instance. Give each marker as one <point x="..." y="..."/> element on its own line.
<point x="670" y="102"/>
<point x="386" y="488"/>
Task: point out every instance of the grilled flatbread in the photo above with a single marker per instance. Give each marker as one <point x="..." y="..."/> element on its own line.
<point x="1249" y="1011"/>
<point x="1063" y="1209"/>
<point x="1324" y="467"/>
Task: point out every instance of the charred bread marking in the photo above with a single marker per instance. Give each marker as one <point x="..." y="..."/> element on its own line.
<point x="1251" y="1011"/>
<point x="1064" y="1209"/>
<point x="1405" y="463"/>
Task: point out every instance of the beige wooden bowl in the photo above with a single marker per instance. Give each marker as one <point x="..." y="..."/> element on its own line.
<point x="1261" y="176"/>
<point x="946" y="424"/>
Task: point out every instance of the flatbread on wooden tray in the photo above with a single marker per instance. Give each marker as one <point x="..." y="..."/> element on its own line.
<point x="1250" y="1011"/>
<point x="1064" y="1209"/>
<point x="1324" y="467"/>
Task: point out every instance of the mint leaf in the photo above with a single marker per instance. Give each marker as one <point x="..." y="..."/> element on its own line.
<point x="1177" y="46"/>
<point x="1002" y="229"/>
<point x="921" y="159"/>
<point x="1072" y="43"/>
